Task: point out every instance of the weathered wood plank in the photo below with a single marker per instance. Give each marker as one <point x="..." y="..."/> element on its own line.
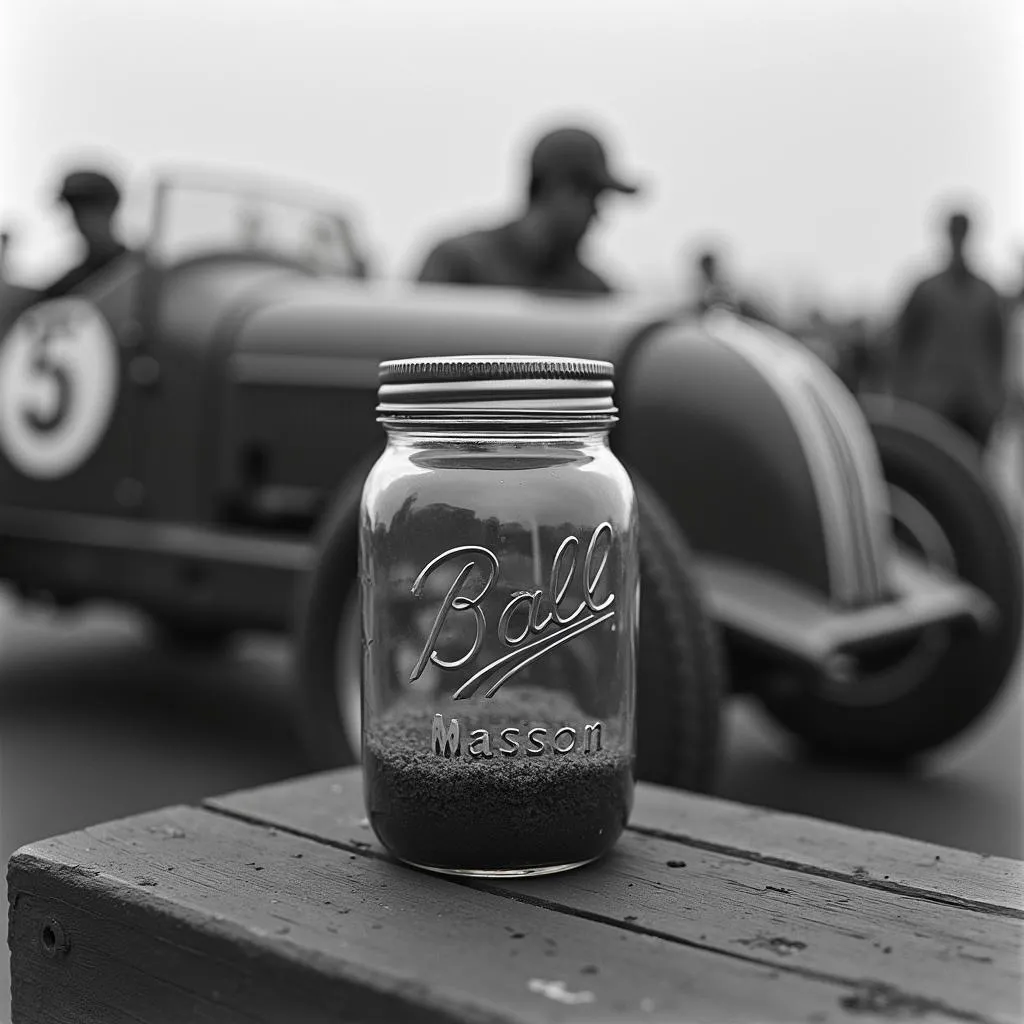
<point x="888" y="861"/>
<point x="964" y="959"/>
<point x="145" y="973"/>
<point x="957" y="877"/>
<point x="190" y="915"/>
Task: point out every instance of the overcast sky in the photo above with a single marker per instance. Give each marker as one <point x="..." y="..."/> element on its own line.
<point x="816" y="136"/>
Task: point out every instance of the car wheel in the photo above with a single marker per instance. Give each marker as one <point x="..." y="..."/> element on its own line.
<point x="681" y="678"/>
<point x="680" y="667"/>
<point x="917" y="695"/>
<point x="328" y="642"/>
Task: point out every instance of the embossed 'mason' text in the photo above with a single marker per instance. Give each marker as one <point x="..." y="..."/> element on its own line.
<point x="539" y="613"/>
<point x="447" y="740"/>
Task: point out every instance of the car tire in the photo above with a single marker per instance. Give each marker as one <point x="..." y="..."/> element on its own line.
<point x="938" y="467"/>
<point x="680" y="666"/>
<point x="330" y="588"/>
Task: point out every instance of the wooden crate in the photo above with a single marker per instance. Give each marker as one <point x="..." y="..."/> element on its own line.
<point x="277" y="905"/>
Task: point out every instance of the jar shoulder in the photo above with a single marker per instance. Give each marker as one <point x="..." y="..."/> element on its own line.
<point x="533" y="482"/>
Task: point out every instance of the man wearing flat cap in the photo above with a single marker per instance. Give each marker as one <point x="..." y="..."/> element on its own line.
<point x="569" y="176"/>
<point x="93" y="199"/>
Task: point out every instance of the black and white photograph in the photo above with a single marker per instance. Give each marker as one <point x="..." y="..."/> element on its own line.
<point x="512" y="512"/>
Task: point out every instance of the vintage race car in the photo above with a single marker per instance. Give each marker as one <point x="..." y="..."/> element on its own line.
<point x="190" y="434"/>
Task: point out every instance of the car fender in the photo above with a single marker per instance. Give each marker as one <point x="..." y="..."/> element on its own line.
<point x="759" y="451"/>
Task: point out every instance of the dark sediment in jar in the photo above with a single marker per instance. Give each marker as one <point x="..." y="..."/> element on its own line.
<point x="497" y="813"/>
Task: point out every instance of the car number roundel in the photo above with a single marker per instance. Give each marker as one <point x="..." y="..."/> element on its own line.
<point x="59" y="373"/>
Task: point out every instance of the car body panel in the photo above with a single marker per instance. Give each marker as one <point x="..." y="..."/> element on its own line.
<point x="191" y="340"/>
<point x="222" y="577"/>
<point x="317" y="349"/>
<point x="94" y="486"/>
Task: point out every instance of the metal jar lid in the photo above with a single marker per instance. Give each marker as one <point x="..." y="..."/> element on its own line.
<point x="498" y="389"/>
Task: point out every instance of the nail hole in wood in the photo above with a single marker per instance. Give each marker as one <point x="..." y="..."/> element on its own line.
<point x="52" y="939"/>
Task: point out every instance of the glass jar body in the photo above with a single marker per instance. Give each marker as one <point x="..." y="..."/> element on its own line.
<point x="500" y="589"/>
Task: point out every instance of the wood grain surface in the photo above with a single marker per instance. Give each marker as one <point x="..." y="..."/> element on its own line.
<point x="278" y="905"/>
<point x="886" y="861"/>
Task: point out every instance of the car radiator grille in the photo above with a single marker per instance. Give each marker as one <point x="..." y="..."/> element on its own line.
<point x="840" y="451"/>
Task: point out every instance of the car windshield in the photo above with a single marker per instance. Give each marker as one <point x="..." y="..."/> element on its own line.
<point x="196" y="217"/>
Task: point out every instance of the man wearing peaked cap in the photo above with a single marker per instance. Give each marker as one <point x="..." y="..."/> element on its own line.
<point x="93" y="199"/>
<point x="539" y="250"/>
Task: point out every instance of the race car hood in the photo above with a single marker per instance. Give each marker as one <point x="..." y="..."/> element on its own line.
<point x="360" y="325"/>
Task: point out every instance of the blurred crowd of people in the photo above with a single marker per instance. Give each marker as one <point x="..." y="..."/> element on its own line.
<point x="956" y="346"/>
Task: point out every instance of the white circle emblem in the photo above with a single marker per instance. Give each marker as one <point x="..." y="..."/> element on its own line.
<point x="59" y="373"/>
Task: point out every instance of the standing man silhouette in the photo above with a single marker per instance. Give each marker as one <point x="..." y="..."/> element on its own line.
<point x="711" y="288"/>
<point x="951" y="343"/>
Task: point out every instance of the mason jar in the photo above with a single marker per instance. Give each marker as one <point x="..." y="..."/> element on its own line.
<point x="500" y="587"/>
